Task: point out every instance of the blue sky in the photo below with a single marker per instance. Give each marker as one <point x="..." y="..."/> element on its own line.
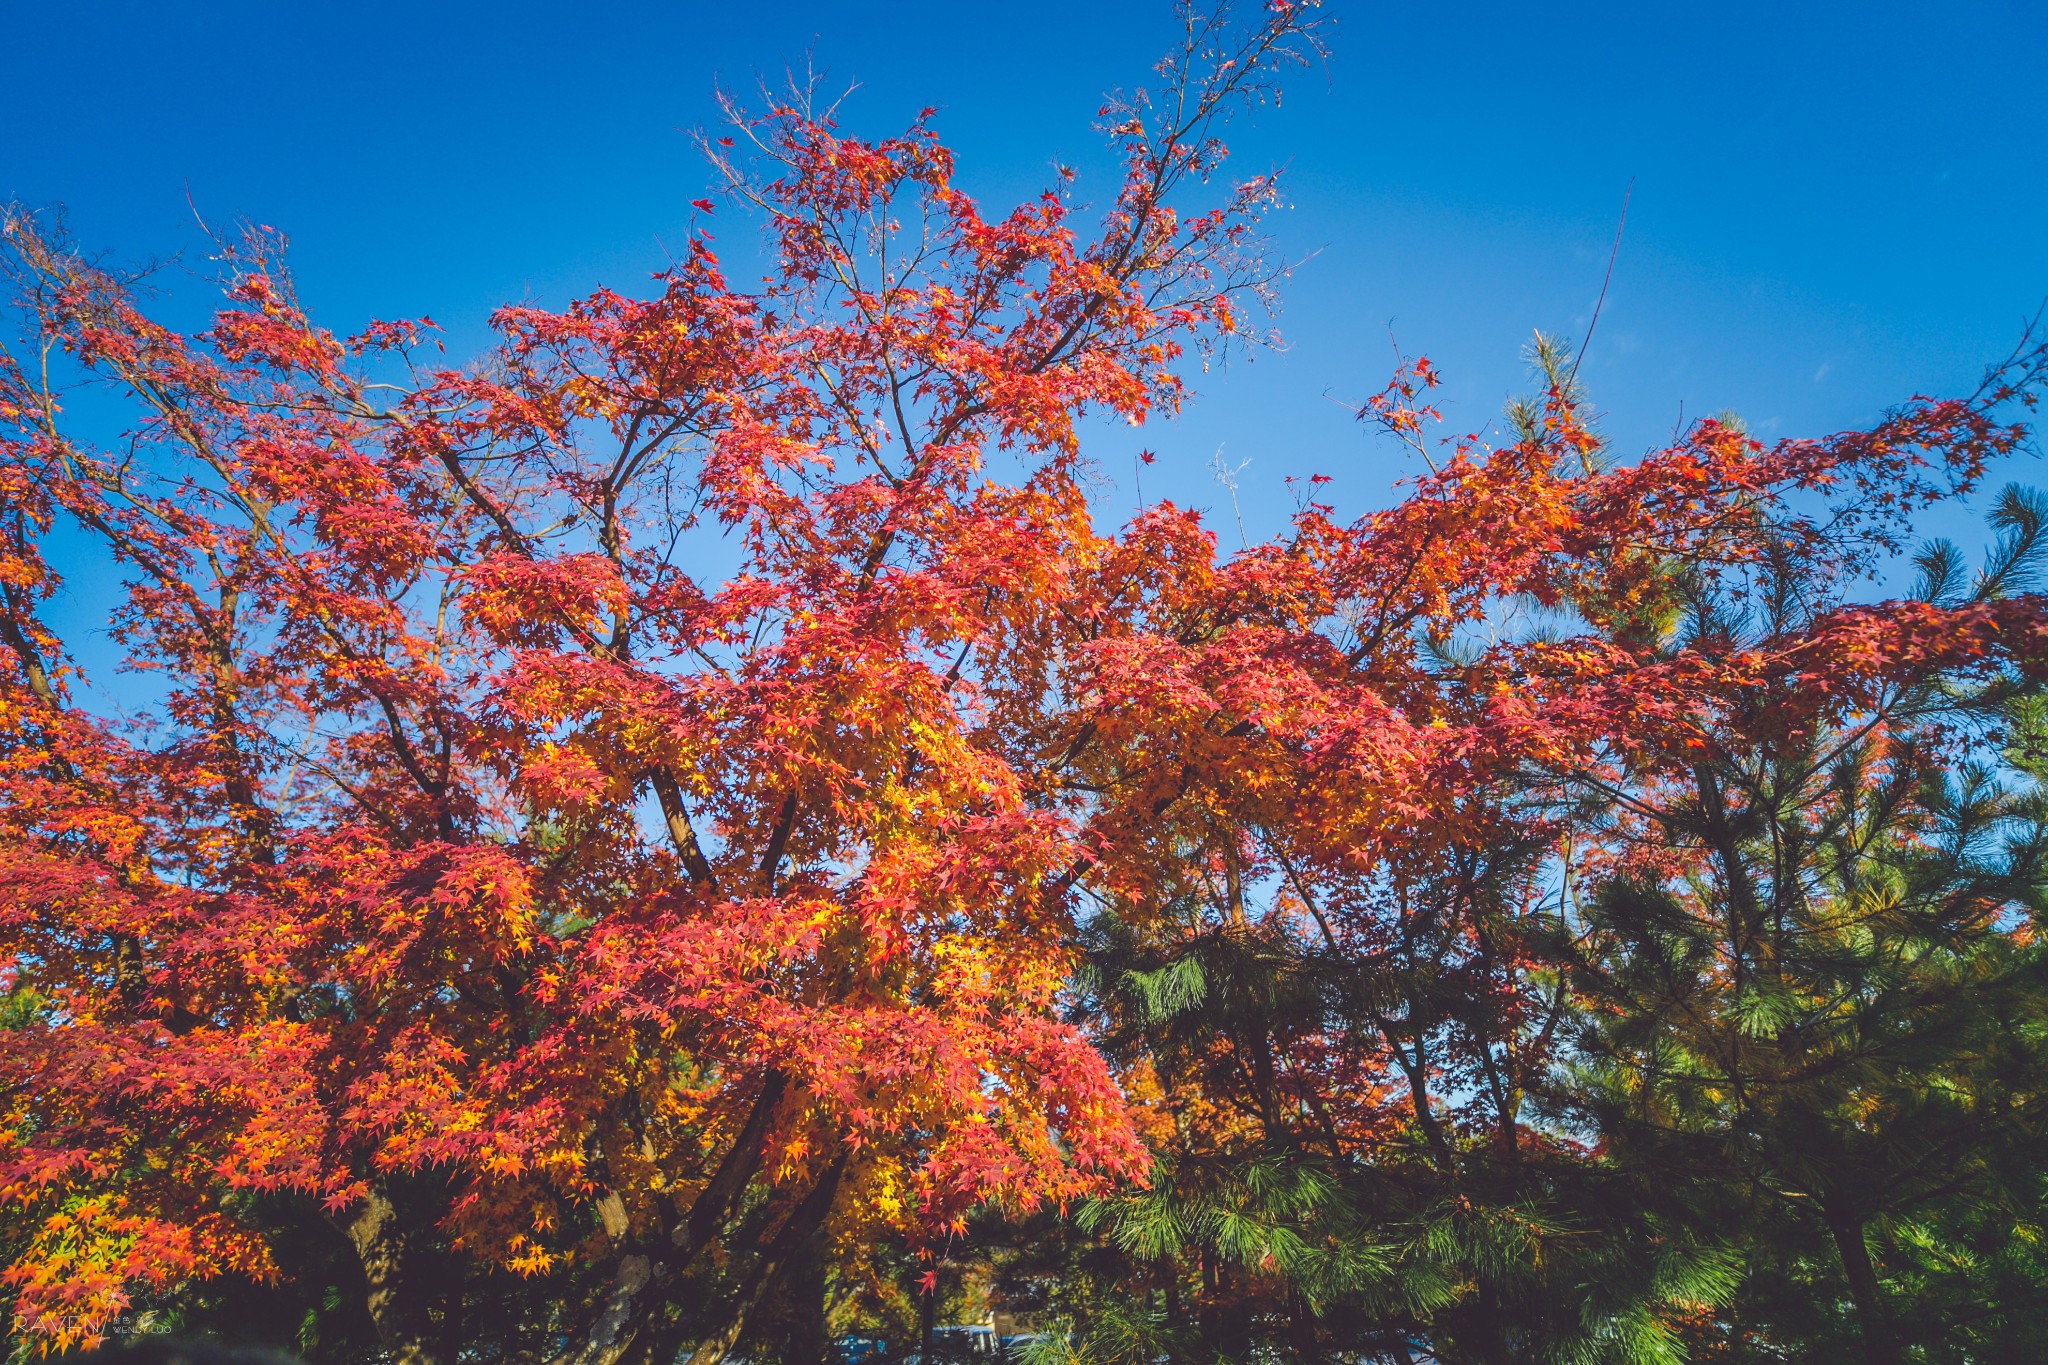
<point x="1834" y="205"/>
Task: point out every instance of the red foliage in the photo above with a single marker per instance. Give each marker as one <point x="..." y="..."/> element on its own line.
<point x="487" y="832"/>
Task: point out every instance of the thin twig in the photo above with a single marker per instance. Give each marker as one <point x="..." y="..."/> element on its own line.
<point x="1612" y="255"/>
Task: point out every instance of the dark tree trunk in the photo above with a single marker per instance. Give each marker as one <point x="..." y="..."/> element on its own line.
<point x="809" y="1335"/>
<point x="622" y="1322"/>
<point x="1880" y="1346"/>
<point x="1174" y="1352"/>
<point x="741" y="1161"/>
<point x="635" y="1326"/>
<point x="372" y="1228"/>
<point x="1302" y="1335"/>
<point x="773" y="1264"/>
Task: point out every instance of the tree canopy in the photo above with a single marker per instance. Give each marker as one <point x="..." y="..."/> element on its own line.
<point x="681" y="834"/>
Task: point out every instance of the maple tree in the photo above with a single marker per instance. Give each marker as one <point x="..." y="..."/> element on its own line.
<point x="565" y="927"/>
<point x="692" y="815"/>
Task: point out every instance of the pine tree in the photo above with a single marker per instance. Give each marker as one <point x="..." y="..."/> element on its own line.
<point x="1816" y="999"/>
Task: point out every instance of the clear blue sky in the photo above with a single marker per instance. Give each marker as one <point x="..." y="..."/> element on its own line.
<point x="1835" y="204"/>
